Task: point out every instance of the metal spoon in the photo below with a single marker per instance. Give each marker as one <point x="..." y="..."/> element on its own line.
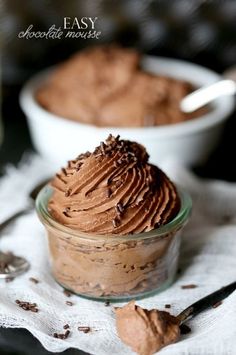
<point x="12" y="265"/>
<point x="167" y="327"/>
<point x="206" y="302"/>
<point x="32" y="196"/>
<point x="206" y="94"/>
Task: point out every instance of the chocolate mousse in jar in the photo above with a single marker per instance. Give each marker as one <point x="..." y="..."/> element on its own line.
<point x="113" y="222"/>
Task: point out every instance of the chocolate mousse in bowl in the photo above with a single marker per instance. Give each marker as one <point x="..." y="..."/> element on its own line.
<point x="113" y="222"/>
<point x="106" y="86"/>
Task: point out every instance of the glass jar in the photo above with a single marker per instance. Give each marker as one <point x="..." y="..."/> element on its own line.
<point x="113" y="267"/>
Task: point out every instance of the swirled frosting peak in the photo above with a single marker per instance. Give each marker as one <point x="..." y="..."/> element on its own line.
<point x="114" y="190"/>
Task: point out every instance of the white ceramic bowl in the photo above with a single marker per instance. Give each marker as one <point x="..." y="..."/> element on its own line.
<point x="59" y="139"/>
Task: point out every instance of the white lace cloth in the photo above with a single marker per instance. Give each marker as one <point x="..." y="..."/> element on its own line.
<point x="208" y="259"/>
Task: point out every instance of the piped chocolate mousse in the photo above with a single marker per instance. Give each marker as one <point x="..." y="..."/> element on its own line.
<point x="114" y="190"/>
<point x="146" y="332"/>
<point x="105" y="211"/>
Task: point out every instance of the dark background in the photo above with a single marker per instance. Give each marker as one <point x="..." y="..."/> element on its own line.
<point x="203" y="32"/>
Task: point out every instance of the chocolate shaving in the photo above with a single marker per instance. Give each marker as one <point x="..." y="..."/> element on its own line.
<point x="185" y="287"/>
<point x="27" y="306"/>
<point x="84" y="329"/>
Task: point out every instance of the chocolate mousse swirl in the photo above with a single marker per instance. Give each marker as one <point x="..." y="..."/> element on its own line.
<point x="113" y="190"/>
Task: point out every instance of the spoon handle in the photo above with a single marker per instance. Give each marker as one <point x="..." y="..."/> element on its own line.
<point x="206" y="94"/>
<point x="206" y="302"/>
<point x="12" y="218"/>
<point x="28" y="208"/>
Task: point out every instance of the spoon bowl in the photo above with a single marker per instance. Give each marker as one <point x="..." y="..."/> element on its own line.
<point x="12" y="265"/>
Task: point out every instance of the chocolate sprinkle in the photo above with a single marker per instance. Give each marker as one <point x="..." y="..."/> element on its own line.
<point x="116" y="164"/>
<point x="115" y="222"/>
<point x="84" y="329"/>
<point x="62" y="336"/>
<point x="117" y="211"/>
<point x="83" y="155"/>
<point x="67" y="293"/>
<point x="69" y="303"/>
<point x="103" y="146"/>
<point x="107" y="303"/>
<point x="185" y="287"/>
<point x="67" y="333"/>
<point x="109" y="193"/>
<point x="167" y="306"/>
<point x="120" y="207"/>
<point x="65" y="213"/>
<point x="64" y="171"/>
<point x="66" y="326"/>
<point x="67" y="193"/>
<point x="27" y="306"/>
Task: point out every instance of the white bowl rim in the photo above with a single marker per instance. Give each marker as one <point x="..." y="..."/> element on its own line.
<point x="219" y="112"/>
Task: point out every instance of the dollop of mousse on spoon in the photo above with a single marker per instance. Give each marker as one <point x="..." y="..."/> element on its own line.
<point x="146" y="332"/>
<point x="113" y="190"/>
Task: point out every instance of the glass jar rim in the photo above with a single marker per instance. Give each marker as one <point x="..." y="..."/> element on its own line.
<point x="178" y="221"/>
